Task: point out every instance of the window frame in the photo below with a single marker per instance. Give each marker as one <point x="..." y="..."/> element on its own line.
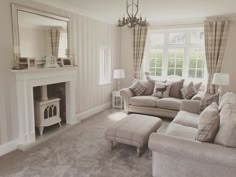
<point x="187" y="46"/>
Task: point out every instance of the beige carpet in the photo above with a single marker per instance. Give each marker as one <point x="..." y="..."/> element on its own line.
<point x="81" y="151"/>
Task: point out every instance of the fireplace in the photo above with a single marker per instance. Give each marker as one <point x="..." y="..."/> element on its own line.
<point x="26" y="80"/>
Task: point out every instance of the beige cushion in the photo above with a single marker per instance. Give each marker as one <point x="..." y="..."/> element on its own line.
<point x="133" y="130"/>
<point x="208" y="126"/>
<point x="175" y="89"/>
<point x="161" y="90"/>
<point x="137" y="88"/>
<point x="189" y="91"/>
<point x="187" y="119"/>
<point x="169" y="103"/>
<point x="181" y="131"/>
<point x="228" y="98"/>
<point x="227" y="133"/>
<point x="147" y="101"/>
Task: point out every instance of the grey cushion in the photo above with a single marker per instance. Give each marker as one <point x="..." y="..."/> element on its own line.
<point x="187" y="119"/>
<point x="133" y="130"/>
<point x="181" y="131"/>
<point x="175" y="89"/>
<point x="149" y="84"/>
<point x="147" y="101"/>
<point x="208" y="126"/>
<point x="169" y="103"/>
<point x="227" y="133"/>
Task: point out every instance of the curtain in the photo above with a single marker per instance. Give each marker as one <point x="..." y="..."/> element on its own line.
<point x="54" y="39"/>
<point x="139" y="42"/>
<point x="216" y="34"/>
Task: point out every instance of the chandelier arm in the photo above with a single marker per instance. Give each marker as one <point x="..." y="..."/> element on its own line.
<point x="137" y="8"/>
<point x="127" y="8"/>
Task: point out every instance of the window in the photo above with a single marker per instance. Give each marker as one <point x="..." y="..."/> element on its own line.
<point x="176" y="52"/>
<point x="105" y="66"/>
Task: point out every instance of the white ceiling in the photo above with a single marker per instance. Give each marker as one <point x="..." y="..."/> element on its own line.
<point x="154" y="10"/>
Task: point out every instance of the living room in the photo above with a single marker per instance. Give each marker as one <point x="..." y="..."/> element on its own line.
<point x="117" y="88"/>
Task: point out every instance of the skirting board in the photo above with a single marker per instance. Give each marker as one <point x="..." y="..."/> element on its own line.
<point x="93" y="111"/>
<point x="8" y="147"/>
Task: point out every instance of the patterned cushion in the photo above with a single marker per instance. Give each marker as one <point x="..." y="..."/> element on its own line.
<point x="161" y="90"/>
<point x="175" y="89"/>
<point x="198" y="85"/>
<point x="137" y="88"/>
<point x="208" y="125"/>
<point x="208" y="100"/>
<point x="189" y="91"/>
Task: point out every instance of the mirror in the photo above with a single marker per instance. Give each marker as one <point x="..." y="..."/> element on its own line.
<point x="40" y="39"/>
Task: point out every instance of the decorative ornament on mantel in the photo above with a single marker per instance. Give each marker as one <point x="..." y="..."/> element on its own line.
<point x="132" y="9"/>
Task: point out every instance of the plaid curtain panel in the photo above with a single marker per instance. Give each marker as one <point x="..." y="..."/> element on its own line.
<point x="216" y="34"/>
<point x="139" y="42"/>
<point x="54" y="39"/>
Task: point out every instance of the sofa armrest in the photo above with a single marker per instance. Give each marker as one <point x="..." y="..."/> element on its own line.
<point x="192" y="106"/>
<point x="126" y="93"/>
<point x="191" y="149"/>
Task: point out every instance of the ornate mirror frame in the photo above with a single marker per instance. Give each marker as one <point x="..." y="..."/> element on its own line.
<point x="15" y="8"/>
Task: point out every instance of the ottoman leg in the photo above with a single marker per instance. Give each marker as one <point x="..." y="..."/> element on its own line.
<point x="138" y="152"/>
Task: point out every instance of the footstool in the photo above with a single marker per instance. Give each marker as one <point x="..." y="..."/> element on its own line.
<point x="133" y="130"/>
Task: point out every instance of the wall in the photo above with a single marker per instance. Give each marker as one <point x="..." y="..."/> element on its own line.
<point x="228" y="64"/>
<point x="87" y="36"/>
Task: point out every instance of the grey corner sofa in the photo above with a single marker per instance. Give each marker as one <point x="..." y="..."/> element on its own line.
<point x="177" y="154"/>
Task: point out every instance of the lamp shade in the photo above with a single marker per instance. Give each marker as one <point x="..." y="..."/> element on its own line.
<point x="118" y="74"/>
<point x="221" y="79"/>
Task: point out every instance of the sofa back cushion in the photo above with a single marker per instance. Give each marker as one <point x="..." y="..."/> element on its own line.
<point x="149" y="84"/>
<point x="227" y="133"/>
<point x="208" y="125"/>
<point x="175" y="89"/>
<point x="228" y="98"/>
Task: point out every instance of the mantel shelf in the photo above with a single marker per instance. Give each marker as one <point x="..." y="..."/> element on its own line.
<point x="68" y="68"/>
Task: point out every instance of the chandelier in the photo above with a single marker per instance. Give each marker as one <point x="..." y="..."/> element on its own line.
<point x="132" y="8"/>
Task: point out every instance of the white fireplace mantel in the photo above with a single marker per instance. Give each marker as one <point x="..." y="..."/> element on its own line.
<point x="26" y="80"/>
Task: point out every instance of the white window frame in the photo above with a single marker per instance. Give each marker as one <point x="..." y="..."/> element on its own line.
<point x="166" y="46"/>
<point x="105" y="66"/>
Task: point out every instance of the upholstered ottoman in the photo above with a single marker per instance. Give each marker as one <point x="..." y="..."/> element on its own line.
<point x="133" y="130"/>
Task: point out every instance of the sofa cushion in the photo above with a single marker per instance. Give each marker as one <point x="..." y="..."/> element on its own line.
<point x="187" y="119"/>
<point x="161" y="90"/>
<point x="149" y="84"/>
<point x="181" y="131"/>
<point x="189" y="91"/>
<point x="209" y="121"/>
<point x="175" y="89"/>
<point x="228" y="98"/>
<point x="208" y="100"/>
<point x="169" y="103"/>
<point x="227" y="133"/>
<point x="147" y="101"/>
<point x="137" y="88"/>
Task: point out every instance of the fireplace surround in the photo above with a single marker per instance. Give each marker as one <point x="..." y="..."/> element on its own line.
<point x="26" y="80"/>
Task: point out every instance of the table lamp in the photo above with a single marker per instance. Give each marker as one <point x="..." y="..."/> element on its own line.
<point x="220" y="79"/>
<point x="118" y="74"/>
